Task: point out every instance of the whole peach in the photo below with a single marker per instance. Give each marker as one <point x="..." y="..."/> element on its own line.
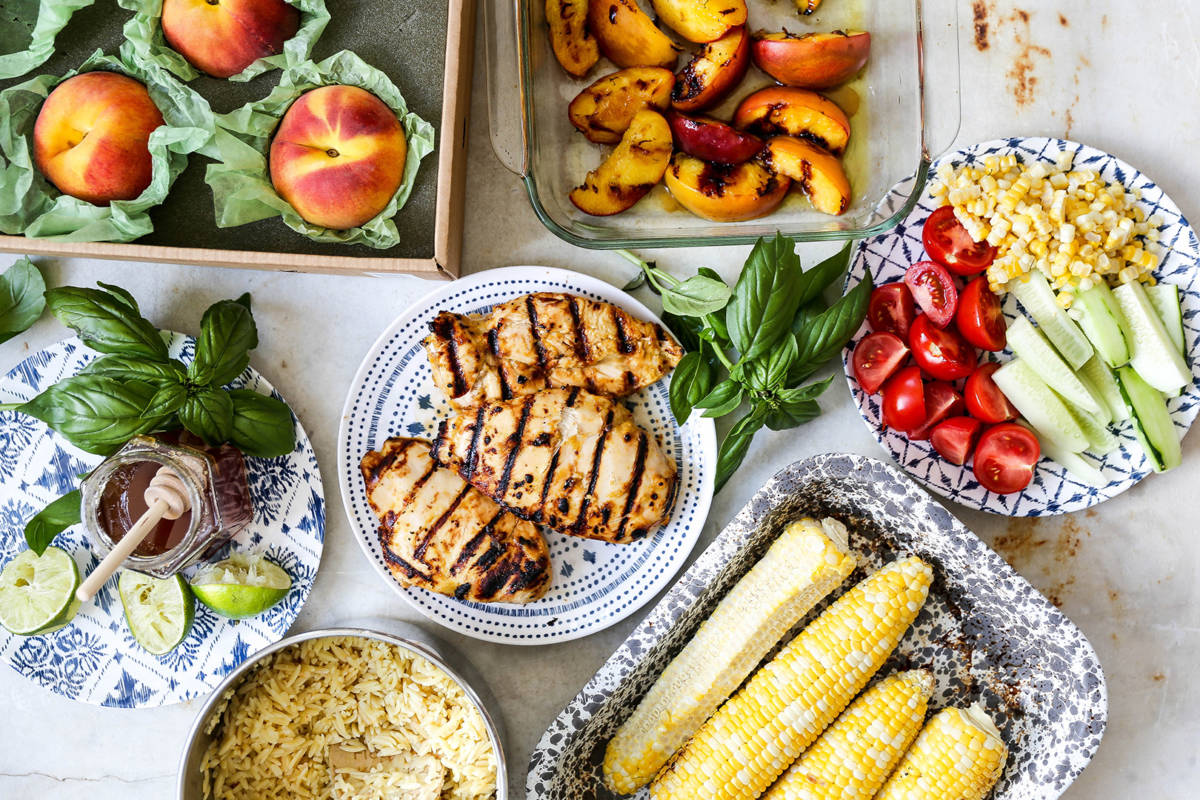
<point x="338" y="156"/>
<point x="223" y="37"/>
<point x="91" y="138"/>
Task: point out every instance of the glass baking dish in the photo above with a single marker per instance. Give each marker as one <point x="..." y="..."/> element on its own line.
<point x="908" y="112"/>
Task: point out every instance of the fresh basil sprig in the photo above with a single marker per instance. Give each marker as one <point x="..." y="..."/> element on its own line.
<point x="21" y="298"/>
<point x="137" y="388"/>
<point x="755" y="343"/>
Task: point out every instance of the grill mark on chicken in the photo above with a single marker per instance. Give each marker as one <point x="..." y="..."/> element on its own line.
<point x="493" y="338"/>
<point x="635" y="483"/>
<point x="623" y="343"/>
<point x="591" y="488"/>
<point x="470" y="547"/>
<point x="538" y="346"/>
<point x="580" y="337"/>
<point x="514" y="441"/>
<point x="443" y="326"/>
<point x="472" y="460"/>
<point x="419" y="552"/>
<point x="494" y="551"/>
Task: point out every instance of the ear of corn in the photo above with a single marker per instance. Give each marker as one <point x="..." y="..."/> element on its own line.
<point x="856" y="754"/>
<point x="757" y="733"/>
<point x="958" y="755"/>
<point x="805" y="564"/>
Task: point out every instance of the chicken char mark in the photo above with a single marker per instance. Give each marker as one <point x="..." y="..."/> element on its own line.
<point x="567" y="458"/>
<point x="546" y="340"/>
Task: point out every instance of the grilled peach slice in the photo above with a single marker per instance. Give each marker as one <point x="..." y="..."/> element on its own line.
<point x="630" y="171"/>
<point x="818" y="174"/>
<point x="712" y="140"/>
<point x="811" y="60"/>
<point x="573" y="45"/>
<point x="807" y="7"/>
<point x="795" y="112"/>
<point x="701" y="20"/>
<point x="603" y="111"/>
<point x="724" y="192"/>
<point x="627" y="36"/>
<point x="713" y="72"/>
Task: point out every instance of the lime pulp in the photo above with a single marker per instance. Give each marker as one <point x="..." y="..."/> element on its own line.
<point x="158" y="611"/>
<point x="241" y="586"/>
<point x="37" y="593"/>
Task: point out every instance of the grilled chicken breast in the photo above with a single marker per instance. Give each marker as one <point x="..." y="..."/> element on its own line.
<point x="546" y="340"/>
<point x="439" y="533"/>
<point x="566" y="458"/>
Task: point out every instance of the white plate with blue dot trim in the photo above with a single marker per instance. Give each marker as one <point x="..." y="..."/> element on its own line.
<point x="95" y="659"/>
<point x="1053" y="490"/>
<point x="595" y="584"/>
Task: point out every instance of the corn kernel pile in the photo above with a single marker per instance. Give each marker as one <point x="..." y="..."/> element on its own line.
<point x="1071" y="224"/>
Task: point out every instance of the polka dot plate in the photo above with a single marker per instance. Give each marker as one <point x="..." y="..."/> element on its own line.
<point x="595" y="584"/>
<point x="1053" y="490"/>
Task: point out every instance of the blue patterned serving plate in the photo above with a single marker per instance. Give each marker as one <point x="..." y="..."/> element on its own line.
<point x="986" y="634"/>
<point x="1053" y="490"/>
<point x="595" y="584"/>
<point x="95" y="659"/>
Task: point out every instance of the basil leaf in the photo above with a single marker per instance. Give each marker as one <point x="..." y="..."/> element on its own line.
<point x="227" y="335"/>
<point x="121" y="294"/>
<point x="724" y="398"/>
<point x="791" y="415"/>
<point x="96" y="413"/>
<point x="696" y="296"/>
<point x="136" y="369"/>
<point x="105" y="322"/>
<point x="685" y="329"/>
<point x="636" y="282"/>
<point x="831" y="330"/>
<point x="262" y="426"/>
<point x="801" y="393"/>
<point x="167" y="401"/>
<point x="681" y="381"/>
<point x="764" y="299"/>
<point x="819" y="278"/>
<point x="52" y="520"/>
<point x="807" y="313"/>
<point x="208" y="413"/>
<point x="734" y="446"/>
<point x="22" y="298"/>
<point x="781" y="360"/>
<point x="753" y="374"/>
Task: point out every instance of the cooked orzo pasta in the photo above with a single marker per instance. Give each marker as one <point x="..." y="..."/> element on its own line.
<point x="273" y="736"/>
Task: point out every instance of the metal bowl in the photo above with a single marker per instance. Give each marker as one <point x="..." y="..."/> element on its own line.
<point x="392" y="632"/>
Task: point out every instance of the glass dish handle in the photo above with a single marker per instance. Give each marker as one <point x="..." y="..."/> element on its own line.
<point x="941" y="81"/>
<point x="506" y="109"/>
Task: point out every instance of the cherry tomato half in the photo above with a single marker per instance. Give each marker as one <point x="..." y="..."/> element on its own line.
<point x="979" y="318"/>
<point x="941" y="352"/>
<point x="904" y="400"/>
<point x="985" y="401"/>
<point x="934" y="290"/>
<point x="941" y="401"/>
<point x="955" y="438"/>
<point x="876" y="358"/>
<point x="891" y="309"/>
<point x="1005" y="458"/>
<point x="949" y="244"/>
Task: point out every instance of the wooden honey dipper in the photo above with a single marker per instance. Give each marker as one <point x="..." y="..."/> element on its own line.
<point x="166" y="498"/>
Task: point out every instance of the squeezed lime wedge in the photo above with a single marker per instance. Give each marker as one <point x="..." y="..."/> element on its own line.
<point x="158" y="611"/>
<point x="37" y="593"/>
<point x="243" y="585"/>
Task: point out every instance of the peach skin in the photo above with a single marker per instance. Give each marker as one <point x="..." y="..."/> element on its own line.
<point x="628" y="37"/>
<point x="223" y="37"/>
<point x="818" y="174"/>
<point x="91" y="138"/>
<point x="811" y="60"/>
<point x="712" y="140"/>
<point x="713" y="72"/>
<point x="603" y="111"/>
<point x="630" y="171"/>
<point x="338" y="156"/>
<point x="795" y="112"/>
<point x="724" y="192"/>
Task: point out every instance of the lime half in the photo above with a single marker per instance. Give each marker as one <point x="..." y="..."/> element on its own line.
<point x="241" y="586"/>
<point x="158" y="611"/>
<point x="37" y="593"/>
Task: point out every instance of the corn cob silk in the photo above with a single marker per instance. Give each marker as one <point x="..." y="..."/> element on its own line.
<point x="785" y="706"/>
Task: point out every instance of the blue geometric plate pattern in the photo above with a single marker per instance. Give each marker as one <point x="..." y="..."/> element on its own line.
<point x="95" y="659"/>
<point x="1053" y="490"/>
<point x="595" y="584"/>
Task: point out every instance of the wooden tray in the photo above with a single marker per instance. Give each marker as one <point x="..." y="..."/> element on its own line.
<point x="425" y="48"/>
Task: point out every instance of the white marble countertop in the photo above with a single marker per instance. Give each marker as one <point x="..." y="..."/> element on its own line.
<point x="1123" y="78"/>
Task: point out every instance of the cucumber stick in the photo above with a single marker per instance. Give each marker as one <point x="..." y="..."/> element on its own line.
<point x="1100" y="380"/>
<point x="1152" y="354"/>
<point x="1034" y="350"/>
<point x="1165" y="299"/>
<point x="1104" y="325"/>
<point x="1151" y="421"/>
<point x="1035" y="294"/>
<point x="1100" y="438"/>
<point x="1040" y="406"/>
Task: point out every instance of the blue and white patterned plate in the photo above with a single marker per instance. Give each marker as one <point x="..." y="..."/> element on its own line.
<point x="1053" y="490"/>
<point x="95" y="659"/>
<point x="595" y="584"/>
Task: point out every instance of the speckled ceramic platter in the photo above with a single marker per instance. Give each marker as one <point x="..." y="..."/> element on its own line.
<point x="595" y="584"/>
<point x="1054" y="490"/>
<point x="95" y="659"/>
<point x="985" y="632"/>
